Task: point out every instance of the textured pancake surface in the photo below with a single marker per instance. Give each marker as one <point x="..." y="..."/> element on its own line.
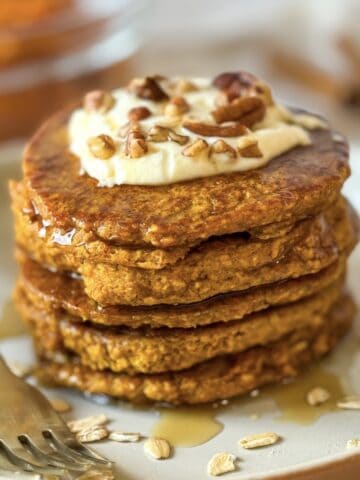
<point x="292" y="186"/>
<point x="160" y="350"/>
<point x="60" y="293"/>
<point x="216" y="268"/>
<point x="221" y="377"/>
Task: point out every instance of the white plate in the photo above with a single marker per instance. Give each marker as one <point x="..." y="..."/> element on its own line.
<point x="303" y="446"/>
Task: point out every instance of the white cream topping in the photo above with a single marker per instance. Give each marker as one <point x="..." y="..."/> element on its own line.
<point x="165" y="162"/>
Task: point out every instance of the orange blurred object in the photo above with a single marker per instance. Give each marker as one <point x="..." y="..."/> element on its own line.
<point x="53" y="51"/>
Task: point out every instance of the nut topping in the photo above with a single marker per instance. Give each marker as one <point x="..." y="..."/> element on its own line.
<point x="195" y="148"/>
<point x="158" y="134"/>
<point x="135" y="145"/>
<point x="147" y="88"/>
<point x="163" y="134"/>
<point x="177" y="106"/>
<point x="236" y="84"/>
<point x="225" y="80"/>
<point x="176" y="137"/>
<point x="98" y="101"/>
<point x="249" y="148"/>
<point x="184" y="86"/>
<point x="246" y="110"/>
<point x="102" y="146"/>
<point x="138" y="113"/>
<point x="263" y="91"/>
<point x="220" y="150"/>
<point x="207" y="130"/>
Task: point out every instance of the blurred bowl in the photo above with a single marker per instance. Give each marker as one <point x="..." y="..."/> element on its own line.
<point x="56" y="50"/>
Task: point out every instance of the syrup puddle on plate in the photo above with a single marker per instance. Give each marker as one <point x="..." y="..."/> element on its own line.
<point x="192" y="426"/>
<point x="10" y="321"/>
<point x="188" y="426"/>
<point x="290" y="398"/>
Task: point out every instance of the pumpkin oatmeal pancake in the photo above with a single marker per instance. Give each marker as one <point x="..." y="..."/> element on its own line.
<point x="60" y="294"/>
<point x="182" y="240"/>
<point x="217" y="267"/>
<point x="162" y="349"/>
<point x="219" y="378"/>
<point x="164" y="213"/>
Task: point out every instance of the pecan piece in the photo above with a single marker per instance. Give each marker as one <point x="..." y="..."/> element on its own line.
<point x="226" y="79"/>
<point x="177" y="106"/>
<point x="235" y="83"/>
<point x="176" y="137"/>
<point x="98" y="101"/>
<point x="135" y="145"/>
<point x="246" y="110"/>
<point x="222" y="151"/>
<point x="207" y="130"/>
<point x="102" y="146"/>
<point x="184" y="86"/>
<point x="195" y="148"/>
<point x="147" y="88"/>
<point x="263" y="91"/>
<point x="250" y="149"/>
<point x="240" y="84"/>
<point x="163" y="134"/>
<point x="138" y="113"/>
<point x="158" y="134"/>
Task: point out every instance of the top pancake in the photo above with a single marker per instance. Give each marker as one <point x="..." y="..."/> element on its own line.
<point x="302" y="182"/>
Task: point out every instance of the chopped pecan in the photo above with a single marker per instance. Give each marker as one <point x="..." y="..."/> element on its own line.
<point x="195" y="148"/>
<point x="98" y="101"/>
<point x="135" y="145"/>
<point x="138" y="113"/>
<point x="177" y="106"/>
<point x="246" y="110"/>
<point x="220" y="150"/>
<point x="207" y="130"/>
<point x="223" y="98"/>
<point x="225" y="80"/>
<point x="176" y="137"/>
<point x="102" y="146"/>
<point x="163" y="134"/>
<point x="249" y="148"/>
<point x="147" y="88"/>
<point x="184" y="86"/>
<point x="235" y="85"/>
<point x="158" y="134"/>
<point x="263" y="91"/>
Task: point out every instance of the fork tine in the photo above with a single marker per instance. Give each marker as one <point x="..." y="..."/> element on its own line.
<point x="26" y="465"/>
<point x="50" y="458"/>
<point x="73" y="449"/>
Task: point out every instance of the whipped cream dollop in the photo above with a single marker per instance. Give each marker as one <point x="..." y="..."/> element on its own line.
<point x="166" y="131"/>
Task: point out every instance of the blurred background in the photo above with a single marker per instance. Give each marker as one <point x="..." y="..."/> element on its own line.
<point x="51" y="51"/>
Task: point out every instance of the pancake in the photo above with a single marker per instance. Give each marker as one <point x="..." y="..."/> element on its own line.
<point x="53" y="291"/>
<point x="213" y="268"/>
<point x="41" y="244"/>
<point x="219" y="378"/>
<point x="297" y="184"/>
<point x="48" y="242"/>
<point x="147" y="350"/>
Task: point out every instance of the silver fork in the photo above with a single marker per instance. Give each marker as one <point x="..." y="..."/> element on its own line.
<point x="33" y="437"/>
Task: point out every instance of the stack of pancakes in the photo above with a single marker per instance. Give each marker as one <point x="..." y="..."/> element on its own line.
<point x="188" y="292"/>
